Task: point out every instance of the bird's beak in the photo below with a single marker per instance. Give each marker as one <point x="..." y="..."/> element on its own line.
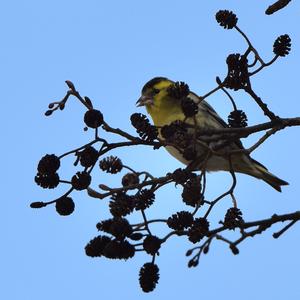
<point x="144" y="100"/>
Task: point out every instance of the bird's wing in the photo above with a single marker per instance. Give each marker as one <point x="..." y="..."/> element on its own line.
<point x="207" y="108"/>
<point x="204" y="106"/>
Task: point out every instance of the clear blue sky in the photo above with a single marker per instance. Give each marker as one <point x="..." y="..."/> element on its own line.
<point x="109" y="49"/>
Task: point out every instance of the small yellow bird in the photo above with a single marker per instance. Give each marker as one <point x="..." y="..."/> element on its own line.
<point x="164" y="109"/>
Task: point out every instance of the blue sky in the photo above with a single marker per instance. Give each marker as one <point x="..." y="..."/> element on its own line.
<point x="109" y="49"/>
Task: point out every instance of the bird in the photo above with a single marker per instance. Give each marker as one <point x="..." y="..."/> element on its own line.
<point x="165" y="109"/>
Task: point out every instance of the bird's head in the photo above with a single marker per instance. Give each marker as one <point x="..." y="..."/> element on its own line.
<point x="154" y="91"/>
<point x="155" y="98"/>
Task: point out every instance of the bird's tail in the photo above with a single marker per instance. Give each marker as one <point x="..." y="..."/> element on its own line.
<point x="262" y="172"/>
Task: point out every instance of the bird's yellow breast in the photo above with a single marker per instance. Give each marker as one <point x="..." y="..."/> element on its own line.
<point x="164" y="116"/>
<point x="165" y="109"/>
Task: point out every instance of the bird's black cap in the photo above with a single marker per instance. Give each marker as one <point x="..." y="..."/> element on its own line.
<point x="152" y="82"/>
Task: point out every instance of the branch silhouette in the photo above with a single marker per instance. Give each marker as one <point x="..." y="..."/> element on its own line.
<point x="136" y="194"/>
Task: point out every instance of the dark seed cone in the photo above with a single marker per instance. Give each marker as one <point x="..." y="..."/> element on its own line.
<point x="47" y="181"/>
<point x="111" y="164"/>
<point x="96" y="246"/>
<point x="49" y="164"/>
<point x="180" y="220"/>
<point x="143" y="127"/>
<point x="144" y="199"/>
<point x="81" y="181"/>
<point x="151" y="244"/>
<point x="130" y="179"/>
<point x="173" y="130"/>
<point x="237" y="119"/>
<point x="178" y="90"/>
<point x="226" y="19"/>
<point x="105" y="225"/>
<point x="180" y="176"/>
<point x="118" y="227"/>
<point x="93" y="118"/>
<point x="88" y="156"/>
<point x="119" y="250"/>
<point x="189" y="107"/>
<point x="176" y="133"/>
<point x="233" y="218"/>
<point x="238" y="75"/>
<point x="149" y="276"/>
<point x="64" y="206"/>
<point x="191" y="194"/>
<point x="282" y="45"/>
<point x="121" y="204"/>
<point x="199" y="230"/>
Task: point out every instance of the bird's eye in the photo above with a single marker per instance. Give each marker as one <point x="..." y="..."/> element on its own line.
<point x="155" y="91"/>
